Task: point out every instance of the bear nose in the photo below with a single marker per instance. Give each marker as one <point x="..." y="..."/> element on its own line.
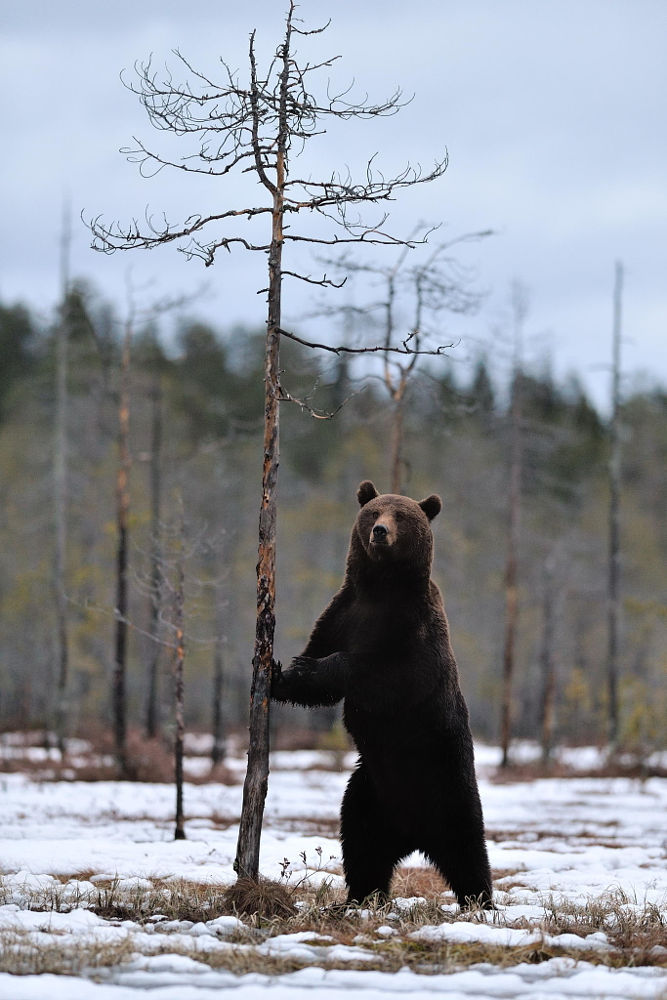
<point x="379" y="532"/>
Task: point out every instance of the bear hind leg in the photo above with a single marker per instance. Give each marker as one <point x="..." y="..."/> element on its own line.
<point x="465" y="866"/>
<point x="371" y="846"/>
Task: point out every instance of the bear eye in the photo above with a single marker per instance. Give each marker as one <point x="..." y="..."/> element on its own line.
<point x="398" y="516"/>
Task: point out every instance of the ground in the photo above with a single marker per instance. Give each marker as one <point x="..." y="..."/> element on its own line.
<point x="97" y="901"/>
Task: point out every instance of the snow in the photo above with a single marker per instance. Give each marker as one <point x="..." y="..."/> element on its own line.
<point x="172" y="978"/>
<point x="553" y="842"/>
<point x="508" y="937"/>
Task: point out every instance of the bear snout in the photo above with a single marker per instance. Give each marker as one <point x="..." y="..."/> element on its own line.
<point x="380" y="533"/>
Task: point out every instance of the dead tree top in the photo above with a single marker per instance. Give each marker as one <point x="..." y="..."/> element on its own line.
<point x="245" y="128"/>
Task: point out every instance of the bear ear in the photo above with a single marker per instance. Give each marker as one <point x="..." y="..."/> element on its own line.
<point x="366" y="492"/>
<point x="431" y="506"/>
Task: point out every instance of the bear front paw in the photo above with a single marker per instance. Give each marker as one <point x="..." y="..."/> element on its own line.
<point x="276" y="678"/>
<point x="301" y="663"/>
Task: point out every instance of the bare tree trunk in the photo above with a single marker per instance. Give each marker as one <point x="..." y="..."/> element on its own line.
<point x="613" y="597"/>
<point x="60" y="492"/>
<point x="152" y="704"/>
<point x="511" y="616"/>
<point x="122" y="518"/>
<point x="511" y="569"/>
<point x="218" y="721"/>
<point x="547" y="663"/>
<point x="397" y="442"/>
<point x="179" y="680"/>
<point x="257" y="775"/>
<point x="511" y="585"/>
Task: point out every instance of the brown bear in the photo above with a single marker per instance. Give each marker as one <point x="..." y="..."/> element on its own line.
<point x="383" y="645"/>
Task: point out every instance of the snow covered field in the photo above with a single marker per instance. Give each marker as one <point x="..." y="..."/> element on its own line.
<point x="579" y="874"/>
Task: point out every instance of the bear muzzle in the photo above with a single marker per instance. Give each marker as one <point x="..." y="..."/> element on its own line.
<point x="380" y="534"/>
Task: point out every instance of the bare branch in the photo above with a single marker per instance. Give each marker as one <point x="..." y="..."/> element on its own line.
<point x="305" y="406"/>
<point x="323" y="282"/>
<point x="249" y="128"/>
<point x="338" y="349"/>
<point x="254" y="103"/>
<point x="108" y="239"/>
<point x="144" y="157"/>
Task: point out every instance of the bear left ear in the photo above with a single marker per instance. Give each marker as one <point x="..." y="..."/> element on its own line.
<point x="366" y="492"/>
<point x="431" y="506"/>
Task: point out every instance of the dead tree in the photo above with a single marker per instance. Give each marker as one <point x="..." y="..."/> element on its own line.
<point x="122" y="547"/>
<point x="547" y="660"/>
<point x="519" y="310"/>
<point x="155" y="477"/>
<point x="134" y="316"/>
<point x="424" y="291"/>
<point x="179" y="677"/>
<point x="258" y="127"/>
<point x="60" y="489"/>
<point x="218" y="715"/>
<point x="613" y="598"/>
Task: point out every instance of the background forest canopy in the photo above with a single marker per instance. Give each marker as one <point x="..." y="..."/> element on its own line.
<point x="196" y="438"/>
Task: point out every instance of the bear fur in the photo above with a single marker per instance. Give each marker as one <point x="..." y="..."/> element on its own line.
<point x="383" y="646"/>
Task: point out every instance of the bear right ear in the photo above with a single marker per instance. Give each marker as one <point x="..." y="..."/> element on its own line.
<point x="366" y="492"/>
<point x="431" y="506"/>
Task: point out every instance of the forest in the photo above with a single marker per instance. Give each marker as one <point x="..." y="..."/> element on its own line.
<point x="180" y="425"/>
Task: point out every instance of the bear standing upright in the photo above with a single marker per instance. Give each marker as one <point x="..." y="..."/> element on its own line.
<point x="383" y="645"/>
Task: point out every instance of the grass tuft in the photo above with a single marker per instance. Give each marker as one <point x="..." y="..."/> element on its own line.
<point x="262" y="898"/>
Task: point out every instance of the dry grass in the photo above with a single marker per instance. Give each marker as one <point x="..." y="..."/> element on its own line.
<point x="425" y="882"/>
<point x="31" y="955"/>
<point x="635" y="932"/>
<point x="149" y="760"/>
<point x="536" y="769"/>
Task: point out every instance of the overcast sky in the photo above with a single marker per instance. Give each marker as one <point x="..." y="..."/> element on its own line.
<point x="553" y="114"/>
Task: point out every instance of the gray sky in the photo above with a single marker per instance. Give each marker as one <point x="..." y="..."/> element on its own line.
<point x="552" y="111"/>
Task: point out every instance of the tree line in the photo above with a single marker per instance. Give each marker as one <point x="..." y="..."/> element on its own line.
<point x="193" y="436"/>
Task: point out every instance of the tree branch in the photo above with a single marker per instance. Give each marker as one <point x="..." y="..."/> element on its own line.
<point x="339" y="349"/>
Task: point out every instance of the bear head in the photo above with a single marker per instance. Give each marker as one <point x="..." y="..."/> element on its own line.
<point x="393" y="531"/>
